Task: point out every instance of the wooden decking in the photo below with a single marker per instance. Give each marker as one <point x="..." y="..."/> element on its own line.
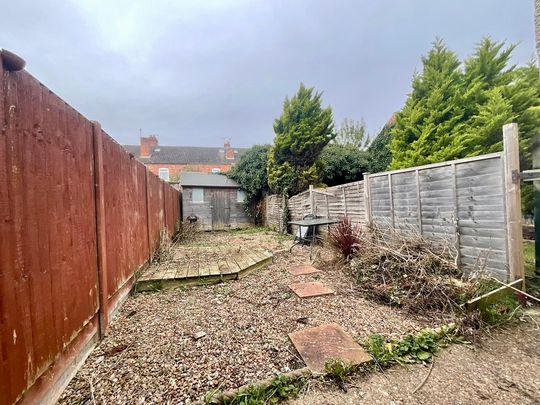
<point x="201" y="265"/>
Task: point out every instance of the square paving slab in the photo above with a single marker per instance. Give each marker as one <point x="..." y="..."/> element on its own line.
<point x="303" y="269"/>
<point x="310" y="289"/>
<point x="318" y="345"/>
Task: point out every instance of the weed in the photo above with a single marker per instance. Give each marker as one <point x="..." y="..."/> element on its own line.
<point x="281" y="388"/>
<point x="484" y="286"/>
<point x="529" y="257"/>
<point x="501" y="311"/>
<point x="412" y="348"/>
<point x="283" y="237"/>
<point x="339" y="370"/>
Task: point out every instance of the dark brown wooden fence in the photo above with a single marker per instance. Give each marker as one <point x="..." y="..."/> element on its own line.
<point x="79" y="216"/>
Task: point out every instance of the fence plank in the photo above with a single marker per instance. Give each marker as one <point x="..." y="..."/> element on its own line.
<point x="100" y="227"/>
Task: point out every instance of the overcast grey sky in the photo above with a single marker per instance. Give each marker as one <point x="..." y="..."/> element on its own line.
<point x="195" y="72"/>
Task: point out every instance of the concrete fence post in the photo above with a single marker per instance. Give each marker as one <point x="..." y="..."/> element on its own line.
<point x="513" y="202"/>
<point x="101" y="239"/>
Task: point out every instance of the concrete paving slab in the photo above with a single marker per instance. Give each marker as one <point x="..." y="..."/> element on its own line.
<point x="303" y="269"/>
<point x="310" y="289"/>
<point x="318" y="345"/>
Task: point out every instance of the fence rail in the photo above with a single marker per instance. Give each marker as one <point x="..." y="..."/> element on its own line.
<point x="80" y="216"/>
<point x="472" y="203"/>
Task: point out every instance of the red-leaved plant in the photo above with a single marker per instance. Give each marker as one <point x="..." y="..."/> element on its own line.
<point x="345" y="238"/>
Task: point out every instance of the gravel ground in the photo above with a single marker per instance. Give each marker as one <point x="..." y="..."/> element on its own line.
<point x="154" y="352"/>
<point x="504" y="370"/>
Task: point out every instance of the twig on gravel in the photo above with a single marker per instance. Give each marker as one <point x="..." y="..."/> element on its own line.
<point x="294" y="355"/>
<point x="90" y="378"/>
<point x="425" y="378"/>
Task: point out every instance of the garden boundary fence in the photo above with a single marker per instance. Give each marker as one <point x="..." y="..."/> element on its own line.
<point x="80" y="217"/>
<point x="473" y="203"/>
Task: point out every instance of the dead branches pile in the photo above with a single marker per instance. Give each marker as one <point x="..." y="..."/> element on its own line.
<point x="409" y="271"/>
<point x="164" y="249"/>
<point x="187" y="231"/>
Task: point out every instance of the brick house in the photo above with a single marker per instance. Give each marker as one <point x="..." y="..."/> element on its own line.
<point x="169" y="161"/>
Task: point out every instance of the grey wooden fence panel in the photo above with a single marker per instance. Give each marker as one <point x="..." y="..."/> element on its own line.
<point x="405" y="202"/>
<point x="274" y="211"/>
<point x="480" y="201"/>
<point x="462" y="202"/>
<point x="437" y="201"/>
<point x="381" y="212"/>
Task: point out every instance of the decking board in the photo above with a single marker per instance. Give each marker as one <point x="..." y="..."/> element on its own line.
<point x="228" y="266"/>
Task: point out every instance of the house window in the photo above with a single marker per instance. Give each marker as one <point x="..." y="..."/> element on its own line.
<point x="216" y="170"/>
<point x="240" y="196"/>
<point x="164" y="173"/>
<point x="197" y="195"/>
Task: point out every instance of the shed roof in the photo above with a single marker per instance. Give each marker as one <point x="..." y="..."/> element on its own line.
<point x="196" y="179"/>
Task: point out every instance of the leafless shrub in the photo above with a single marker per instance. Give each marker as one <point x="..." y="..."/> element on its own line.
<point x="164" y="249"/>
<point x="187" y="231"/>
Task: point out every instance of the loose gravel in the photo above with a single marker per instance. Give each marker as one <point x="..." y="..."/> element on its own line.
<point x="174" y="346"/>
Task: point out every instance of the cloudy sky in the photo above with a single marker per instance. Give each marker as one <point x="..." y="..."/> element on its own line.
<point x="195" y="72"/>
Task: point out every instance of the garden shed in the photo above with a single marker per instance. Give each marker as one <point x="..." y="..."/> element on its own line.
<point x="216" y="201"/>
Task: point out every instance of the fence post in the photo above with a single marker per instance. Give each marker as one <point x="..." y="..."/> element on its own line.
<point x="391" y="200"/>
<point x="513" y="202"/>
<point x="311" y="199"/>
<point x="165" y="223"/>
<point x="367" y="198"/>
<point x="536" y="185"/>
<point x="419" y="201"/>
<point x="99" y="184"/>
<point x="327" y="206"/>
<point x="457" y="235"/>
<point x="344" y="201"/>
<point x="147" y="184"/>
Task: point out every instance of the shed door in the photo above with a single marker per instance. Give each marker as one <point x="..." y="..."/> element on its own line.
<point x="221" y="209"/>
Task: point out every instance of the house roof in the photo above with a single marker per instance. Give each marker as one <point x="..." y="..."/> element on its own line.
<point x="185" y="154"/>
<point x="196" y="179"/>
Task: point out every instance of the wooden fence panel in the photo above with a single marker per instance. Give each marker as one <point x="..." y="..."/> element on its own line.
<point x="381" y="211"/>
<point x="48" y="267"/>
<point x="156" y="210"/>
<point x="405" y="202"/>
<point x="172" y="208"/>
<point x="462" y="202"/>
<point x="274" y="212"/>
<point x="480" y="201"/>
<point x="125" y="214"/>
<point x="56" y="280"/>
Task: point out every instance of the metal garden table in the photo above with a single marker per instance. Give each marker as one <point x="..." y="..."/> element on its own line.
<point x="310" y="236"/>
